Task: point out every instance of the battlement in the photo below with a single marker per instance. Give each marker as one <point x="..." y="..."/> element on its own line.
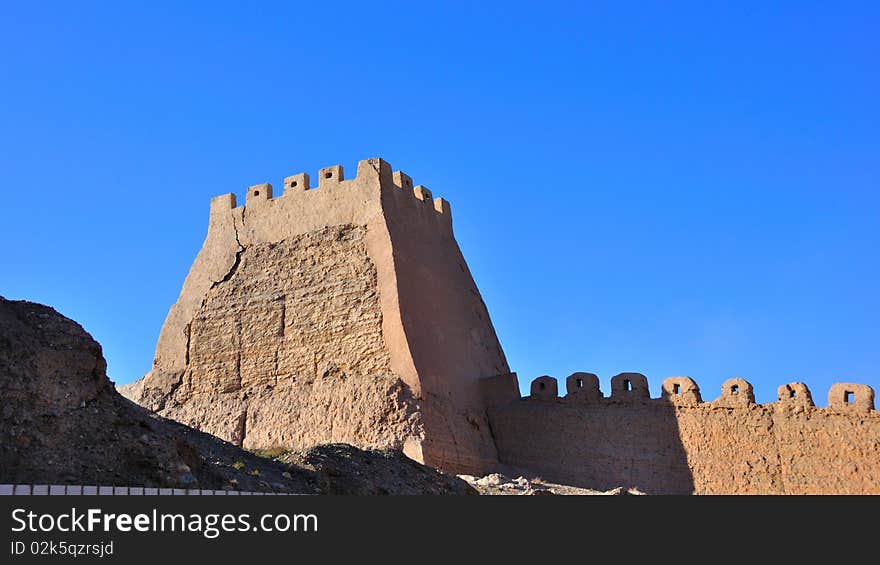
<point x="370" y="173"/>
<point x="683" y="391"/>
<point x="359" y="283"/>
<point x="325" y="274"/>
<point x="679" y="443"/>
<point x="356" y="289"/>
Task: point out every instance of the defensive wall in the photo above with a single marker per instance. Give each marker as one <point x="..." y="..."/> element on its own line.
<point x="342" y="312"/>
<point x="679" y="444"/>
<point x="345" y="312"/>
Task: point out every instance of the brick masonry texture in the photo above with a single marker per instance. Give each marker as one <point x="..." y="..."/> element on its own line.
<point x="340" y="313"/>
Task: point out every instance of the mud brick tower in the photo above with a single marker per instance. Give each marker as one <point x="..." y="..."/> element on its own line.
<point x="343" y="312"/>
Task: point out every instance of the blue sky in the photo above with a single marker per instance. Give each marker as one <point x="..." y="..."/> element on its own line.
<point x="668" y="188"/>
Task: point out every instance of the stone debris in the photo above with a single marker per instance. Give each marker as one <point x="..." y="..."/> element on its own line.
<point x="499" y="484"/>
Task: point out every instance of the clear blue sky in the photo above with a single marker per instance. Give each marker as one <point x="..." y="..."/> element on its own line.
<point x="668" y="188"/>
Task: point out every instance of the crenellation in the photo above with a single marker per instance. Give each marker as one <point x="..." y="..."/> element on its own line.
<point x="296" y="183"/>
<point x="545" y="388"/>
<point x="330" y="176"/>
<point x="684" y="391"/>
<point x="794" y="395"/>
<point x="402" y="181"/>
<point x="681" y="391"/>
<point x="441" y="205"/>
<point x="851" y="397"/>
<point x="735" y="393"/>
<point x="373" y="172"/>
<point x="375" y="168"/>
<point x="222" y="203"/>
<point x="629" y="387"/>
<point x="423" y="194"/>
<point x="258" y="194"/>
<point x="583" y="387"/>
<point x="677" y="444"/>
<point x="389" y="243"/>
<point x="382" y="241"/>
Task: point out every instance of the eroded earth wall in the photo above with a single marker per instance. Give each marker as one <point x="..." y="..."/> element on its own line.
<point x="678" y="444"/>
<point x="289" y="350"/>
<point x="340" y="313"/>
<point x="451" y="339"/>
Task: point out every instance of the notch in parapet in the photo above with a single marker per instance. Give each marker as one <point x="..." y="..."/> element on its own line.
<point x="441" y="205"/>
<point x="422" y="193"/>
<point x="368" y="171"/>
<point x="333" y="175"/>
<point x="736" y="392"/>
<point x="625" y="387"/>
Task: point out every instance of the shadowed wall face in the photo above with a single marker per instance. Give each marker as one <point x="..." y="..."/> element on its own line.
<point x="678" y="444"/>
<point x="450" y="337"/>
<point x="598" y="447"/>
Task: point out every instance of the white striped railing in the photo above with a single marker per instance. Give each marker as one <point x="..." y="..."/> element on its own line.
<point x="79" y="490"/>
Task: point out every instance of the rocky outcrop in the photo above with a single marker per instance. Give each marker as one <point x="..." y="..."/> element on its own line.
<point x="343" y="469"/>
<point x="62" y="422"/>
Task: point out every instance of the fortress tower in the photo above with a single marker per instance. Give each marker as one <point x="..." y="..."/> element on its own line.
<point x="346" y="313"/>
<point x="339" y="313"/>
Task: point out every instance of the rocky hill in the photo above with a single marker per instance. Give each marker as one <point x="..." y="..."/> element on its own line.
<point x="63" y="422"/>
